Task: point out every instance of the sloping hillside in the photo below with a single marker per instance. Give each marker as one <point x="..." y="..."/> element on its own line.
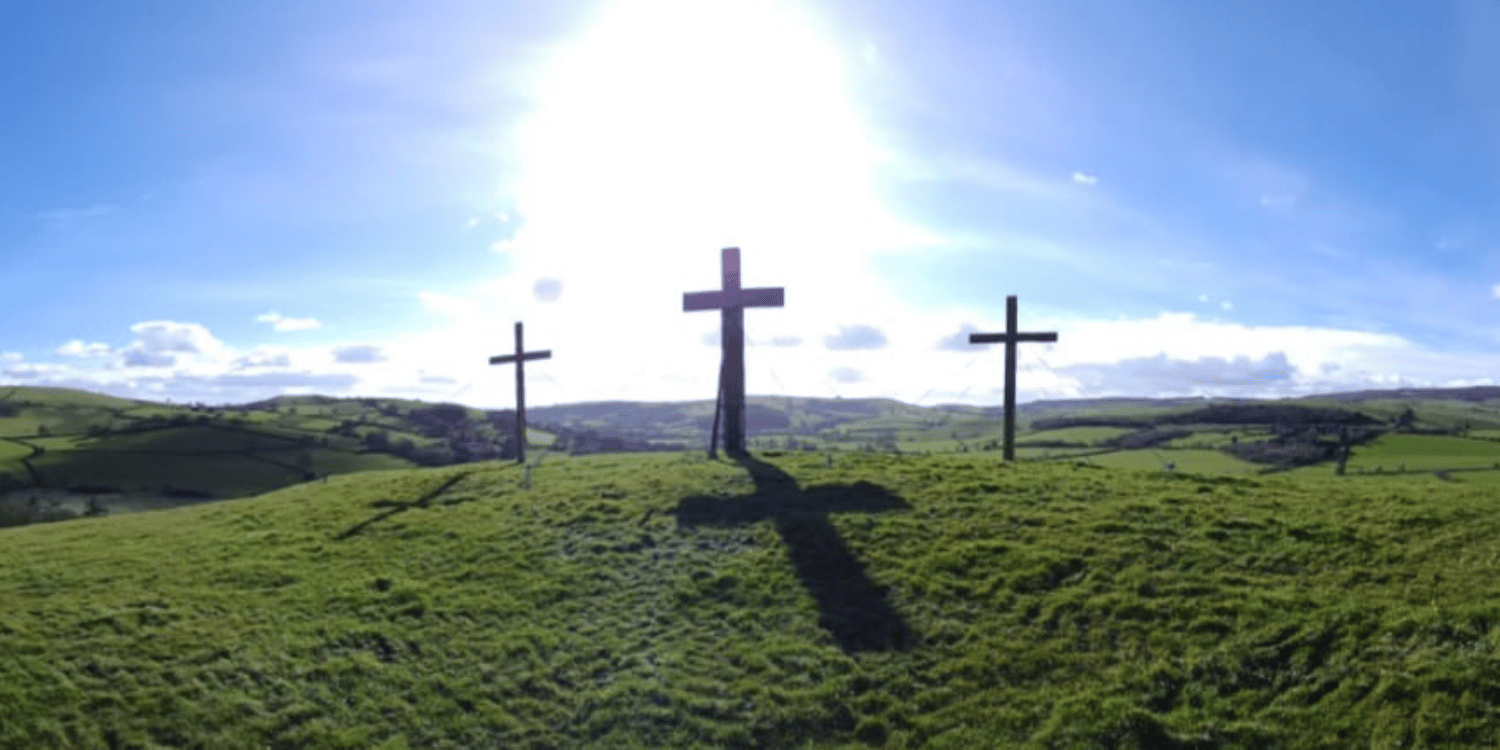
<point x="668" y="601"/>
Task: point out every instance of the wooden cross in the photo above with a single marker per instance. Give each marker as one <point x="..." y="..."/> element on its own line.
<point x="1010" y="338"/>
<point x="731" y="301"/>
<point x="520" y="358"/>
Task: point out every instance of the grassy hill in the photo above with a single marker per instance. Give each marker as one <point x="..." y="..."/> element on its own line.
<point x="65" y="453"/>
<point x="664" y="600"/>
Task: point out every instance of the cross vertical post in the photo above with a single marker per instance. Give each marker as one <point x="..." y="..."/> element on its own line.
<point x="519" y="358"/>
<point x="731" y="301"/>
<point x="1010" y="338"/>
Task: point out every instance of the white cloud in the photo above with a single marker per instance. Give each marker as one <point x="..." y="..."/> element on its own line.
<point x="171" y="336"/>
<point x="1084" y="178"/>
<point x="958" y="342"/>
<point x="31" y="370"/>
<point x="1149" y="375"/>
<point x="282" y="324"/>
<point x="144" y="358"/>
<point x="263" y="358"/>
<point x="1495" y="291"/>
<point x="855" y="337"/>
<point x="1226" y="305"/>
<point x="77" y="348"/>
<point x="10" y="357"/>
<point x="358" y="353"/>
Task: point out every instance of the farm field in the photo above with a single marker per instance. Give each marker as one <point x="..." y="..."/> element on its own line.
<point x="663" y="600"/>
<point x="1085" y="435"/>
<point x="1184" y="460"/>
<point x="1424" y="452"/>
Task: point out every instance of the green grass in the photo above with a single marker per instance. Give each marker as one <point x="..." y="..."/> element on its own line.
<point x="10" y="451"/>
<point x="1424" y="452"/>
<point x="667" y="601"/>
<point x="206" y="439"/>
<point x="1086" y="435"/>
<point x="1214" y="437"/>
<point x="221" y="476"/>
<point x="1185" y="460"/>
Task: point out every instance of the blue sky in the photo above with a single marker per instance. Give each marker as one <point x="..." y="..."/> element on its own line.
<point x="224" y="201"/>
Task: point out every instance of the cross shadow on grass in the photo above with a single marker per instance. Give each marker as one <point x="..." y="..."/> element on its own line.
<point x="851" y="607"/>
<point x="396" y="506"/>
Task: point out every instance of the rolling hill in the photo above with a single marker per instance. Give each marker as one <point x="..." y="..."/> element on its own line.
<point x="68" y="453"/>
<point x="793" y="601"/>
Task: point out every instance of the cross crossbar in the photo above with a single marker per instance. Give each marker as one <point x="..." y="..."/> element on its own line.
<point x="505" y="359"/>
<point x="1001" y="338"/>
<point x="754" y="297"/>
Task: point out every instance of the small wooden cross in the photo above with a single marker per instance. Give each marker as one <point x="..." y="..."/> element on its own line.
<point x="731" y="301"/>
<point x="1010" y="338"/>
<point x="520" y="358"/>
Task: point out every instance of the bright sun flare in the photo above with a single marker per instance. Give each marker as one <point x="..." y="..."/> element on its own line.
<point x="679" y="126"/>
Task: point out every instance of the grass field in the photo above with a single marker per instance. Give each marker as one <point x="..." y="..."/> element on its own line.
<point x="1183" y="460"/>
<point x="1424" y="452"/>
<point x="667" y="601"/>
<point x="1085" y="435"/>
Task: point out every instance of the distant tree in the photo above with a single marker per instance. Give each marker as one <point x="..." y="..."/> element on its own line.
<point x="1406" y="418"/>
<point x="42" y="431"/>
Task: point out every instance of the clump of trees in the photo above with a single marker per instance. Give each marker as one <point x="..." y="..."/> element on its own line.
<point x="1284" y="414"/>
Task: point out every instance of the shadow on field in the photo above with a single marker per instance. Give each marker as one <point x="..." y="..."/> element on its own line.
<point x="396" y="506"/>
<point x="851" y="607"/>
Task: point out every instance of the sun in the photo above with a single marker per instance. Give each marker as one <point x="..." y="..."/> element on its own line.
<point x="670" y="128"/>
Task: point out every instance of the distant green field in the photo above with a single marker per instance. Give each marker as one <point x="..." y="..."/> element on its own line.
<point x="317" y="424"/>
<point x="327" y="461"/>
<point x="226" y="476"/>
<point x="1086" y="435"/>
<point x="1218" y="437"/>
<point x="1025" y="453"/>
<point x="1185" y="460"/>
<point x="194" y="439"/>
<point x="1423" y="452"/>
<point x="11" y="451"/>
<point x="22" y="425"/>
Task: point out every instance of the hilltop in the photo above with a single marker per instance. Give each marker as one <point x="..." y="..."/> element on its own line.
<point x="665" y="600"/>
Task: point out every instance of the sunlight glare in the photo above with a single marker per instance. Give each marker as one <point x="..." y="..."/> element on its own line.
<point x="672" y="128"/>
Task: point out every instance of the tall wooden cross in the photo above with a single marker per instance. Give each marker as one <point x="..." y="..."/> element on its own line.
<point x="520" y="358"/>
<point x="731" y="301"/>
<point x="1010" y="338"/>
